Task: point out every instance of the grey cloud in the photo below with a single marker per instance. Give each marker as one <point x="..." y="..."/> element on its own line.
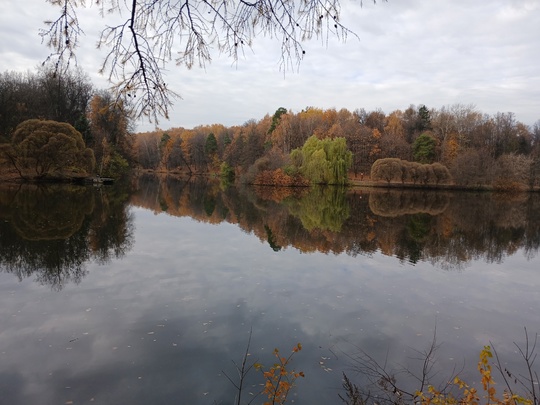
<point x="431" y="52"/>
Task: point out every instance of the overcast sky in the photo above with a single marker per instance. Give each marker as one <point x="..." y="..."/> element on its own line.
<point x="432" y="52"/>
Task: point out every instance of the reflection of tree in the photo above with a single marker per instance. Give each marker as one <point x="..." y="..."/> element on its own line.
<point x="111" y="227"/>
<point x="52" y="212"/>
<point x="447" y="229"/>
<point x="271" y="239"/>
<point x="51" y="232"/>
<point x="54" y="261"/>
<point x="413" y="237"/>
<point x="396" y="203"/>
<point x="532" y="235"/>
<point x="323" y="208"/>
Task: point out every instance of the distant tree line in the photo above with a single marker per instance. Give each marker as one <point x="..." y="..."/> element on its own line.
<point x="455" y="144"/>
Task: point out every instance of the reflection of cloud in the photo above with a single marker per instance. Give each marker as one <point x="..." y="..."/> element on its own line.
<point x="163" y="323"/>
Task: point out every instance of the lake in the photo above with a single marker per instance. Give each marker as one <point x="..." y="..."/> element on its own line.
<point x="147" y="292"/>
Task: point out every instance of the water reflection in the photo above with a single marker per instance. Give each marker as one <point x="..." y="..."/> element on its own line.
<point x="446" y="229"/>
<point x="160" y="325"/>
<point x="51" y="231"/>
<point x="322" y="208"/>
<point x="393" y="203"/>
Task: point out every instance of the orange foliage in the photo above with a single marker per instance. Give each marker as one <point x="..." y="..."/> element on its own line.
<point x="279" y="380"/>
<point x="394" y="125"/>
<point x="278" y="194"/>
<point x="279" y="178"/>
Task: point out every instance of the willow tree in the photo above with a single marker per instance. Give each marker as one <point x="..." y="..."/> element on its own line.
<point x="323" y="161"/>
<point x="144" y="35"/>
<point x="41" y="149"/>
<point x="388" y="169"/>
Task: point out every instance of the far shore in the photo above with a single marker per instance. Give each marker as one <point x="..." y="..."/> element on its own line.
<point x="354" y="182"/>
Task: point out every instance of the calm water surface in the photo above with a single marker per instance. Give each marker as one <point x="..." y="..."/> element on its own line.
<point x="146" y="294"/>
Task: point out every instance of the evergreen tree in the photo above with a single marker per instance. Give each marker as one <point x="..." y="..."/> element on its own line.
<point x="424" y="118"/>
<point x="211" y="145"/>
<point x="424" y="148"/>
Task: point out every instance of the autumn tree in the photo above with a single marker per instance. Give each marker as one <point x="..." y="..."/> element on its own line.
<point x="472" y="167"/>
<point x="223" y="139"/>
<point x="276" y="118"/>
<point x="387" y="169"/>
<point x="358" y="142"/>
<point x="441" y="173"/>
<point x="393" y="142"/>
<point x="196" y="145"/>
<point x="292" y="130"/>
<point x="146" y="150"/>
<point x="165" y="149"/>
<point x="393" y="170"/>
<point x="48" y="148"/>
<point x="512" y="172"/>
<point x="503" y="137"/>
<point x="410" y="122"/>
<point x="534" y="179"/>
<point x="376" y="120"/>
<point x="139" y="47"/>
<point x="176" y="159"/>
<point x="458" y="121"/>
<point x="111" y="137"/>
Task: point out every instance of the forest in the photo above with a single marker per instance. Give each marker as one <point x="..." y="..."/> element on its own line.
<point x="452" y="146"/>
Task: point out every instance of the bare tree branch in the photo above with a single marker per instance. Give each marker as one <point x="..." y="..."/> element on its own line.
<point x="141" y="46"/>
<point x="528" y="382"/>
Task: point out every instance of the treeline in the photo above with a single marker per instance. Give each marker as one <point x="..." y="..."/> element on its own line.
<point x="464" y="146"/>
<point x="459" y="144"/>
<point x="103" y="122"/>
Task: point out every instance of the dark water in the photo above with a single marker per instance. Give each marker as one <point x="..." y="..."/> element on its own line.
<point x="146" y="293"/>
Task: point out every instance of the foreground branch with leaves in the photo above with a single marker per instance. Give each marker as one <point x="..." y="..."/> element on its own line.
<point x="279" y="379"/>
<point x="384" y="388"/>
<point x="517" y="388"/>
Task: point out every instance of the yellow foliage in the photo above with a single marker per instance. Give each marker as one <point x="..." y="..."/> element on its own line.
<point x="469" y="395"/>
<point x="279" y="380"/>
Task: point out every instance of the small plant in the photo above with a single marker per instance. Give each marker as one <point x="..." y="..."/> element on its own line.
<point x="279" y="380"/>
